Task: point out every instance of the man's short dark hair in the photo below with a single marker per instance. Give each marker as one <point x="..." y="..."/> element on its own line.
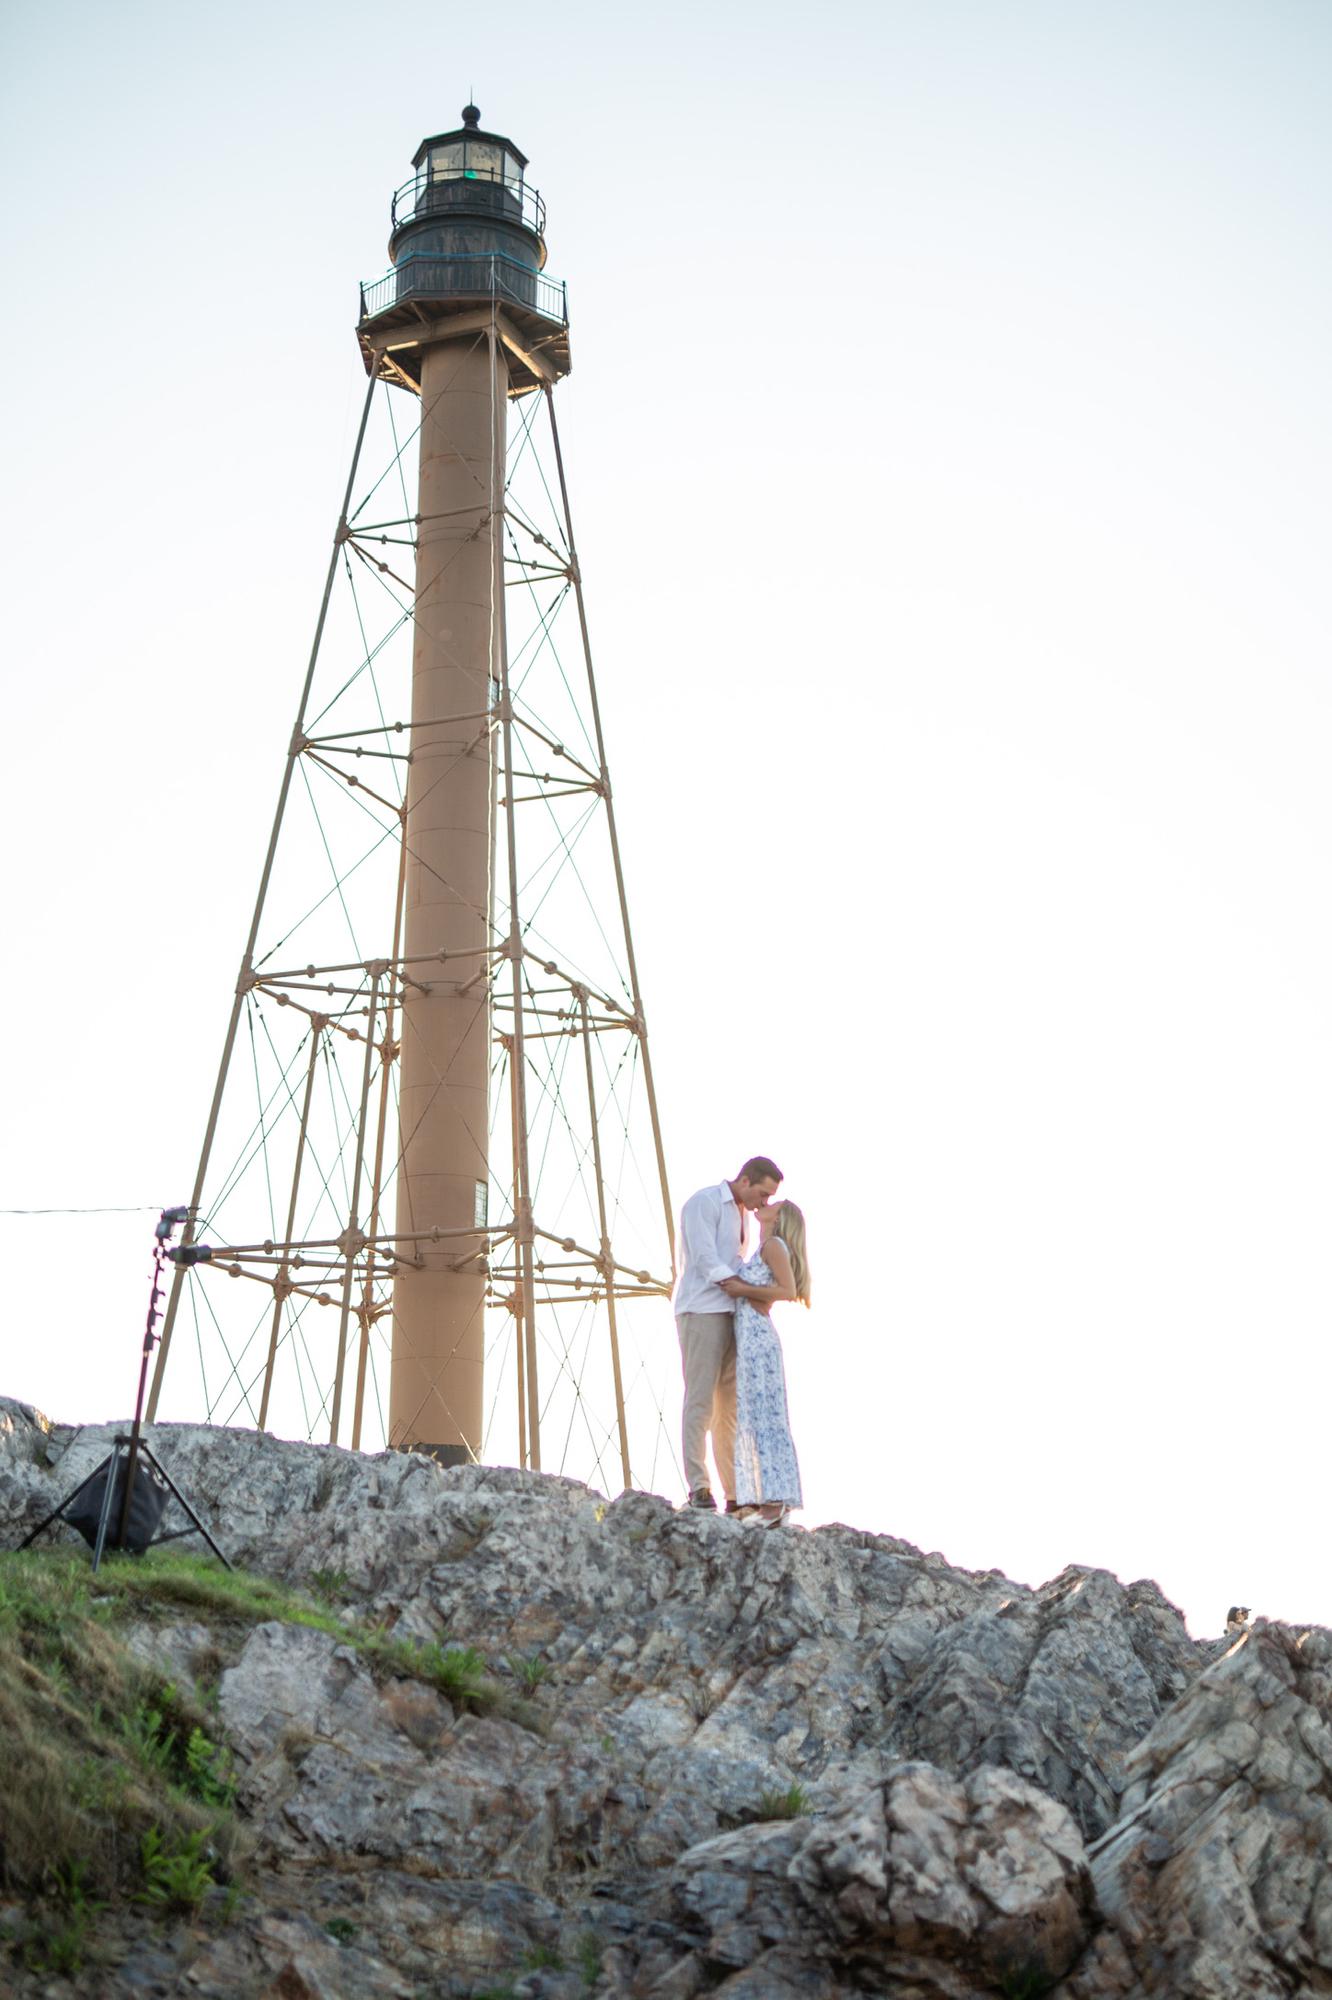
<point x="760" y="1168"/>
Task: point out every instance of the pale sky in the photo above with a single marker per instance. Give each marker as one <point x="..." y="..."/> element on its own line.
<point x="949" y="442"/>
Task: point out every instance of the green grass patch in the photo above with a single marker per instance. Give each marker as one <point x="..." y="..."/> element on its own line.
<point x="459" y="1672"/>
<point x="116" y="1783"/>
<point x="114" y="1786"/>
<point x="166" y="1584"/>
<point x="793" y="1803"/>
<point x="589" y="1958"/>
<point x="543" y="1958"/>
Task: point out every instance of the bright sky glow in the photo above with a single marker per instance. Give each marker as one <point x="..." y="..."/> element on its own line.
<point x="949" y="437"/>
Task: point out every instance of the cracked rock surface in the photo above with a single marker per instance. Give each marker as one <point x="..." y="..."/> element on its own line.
<point x="746" y="1762"/>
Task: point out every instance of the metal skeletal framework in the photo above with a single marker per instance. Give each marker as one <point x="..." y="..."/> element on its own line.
<point x="285" y="1322"/>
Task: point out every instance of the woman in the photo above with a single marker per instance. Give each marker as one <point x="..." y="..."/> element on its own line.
<point x="767" y="1478"/>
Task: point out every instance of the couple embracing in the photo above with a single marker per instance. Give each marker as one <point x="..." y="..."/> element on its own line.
<point x="735" y="1385"/>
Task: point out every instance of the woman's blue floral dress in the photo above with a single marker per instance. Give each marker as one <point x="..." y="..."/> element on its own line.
<point x="765" y="1459"/>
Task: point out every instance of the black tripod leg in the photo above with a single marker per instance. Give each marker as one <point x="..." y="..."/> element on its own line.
<point x="56" y="1513"/>
<point x="104" y="1518"/>
<point x="182" y="1502"/>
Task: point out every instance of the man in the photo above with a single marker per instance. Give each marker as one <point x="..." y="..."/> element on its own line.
<point x="713" y="1235"/>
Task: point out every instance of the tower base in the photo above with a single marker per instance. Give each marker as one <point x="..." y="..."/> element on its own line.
<point x="443" y="1454"/>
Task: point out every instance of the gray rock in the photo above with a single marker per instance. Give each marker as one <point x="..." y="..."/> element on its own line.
<point x="948" y="1740"/>
<point x="24" y="1433"/>
<point x="947" y="1885"/>
<point x="1058" y="1684"/>
<point x="1217" y="1878"/>
<point x="822" y="1658"/>
<point x="986" y="1872"/>
<point x="186" y="1655"/>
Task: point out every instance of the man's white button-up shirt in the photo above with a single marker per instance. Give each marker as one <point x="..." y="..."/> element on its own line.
<point x="712" y="1247"/>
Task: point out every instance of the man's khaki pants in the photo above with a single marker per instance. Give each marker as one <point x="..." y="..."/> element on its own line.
<point x="707" y="1349"/>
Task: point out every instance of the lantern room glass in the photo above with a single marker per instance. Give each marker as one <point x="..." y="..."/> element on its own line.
<point x="472" y="158"/>
<point x="446" y="162"/>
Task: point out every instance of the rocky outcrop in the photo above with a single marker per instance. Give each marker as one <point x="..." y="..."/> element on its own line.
<point x="1216" y="1879"/>
<point x="948" y="1886"/>
<point x="758" y="1763"/>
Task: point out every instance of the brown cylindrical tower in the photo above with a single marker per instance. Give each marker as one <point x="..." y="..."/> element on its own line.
<point x="436" y="1389"/>
<point x="466" y="317"/>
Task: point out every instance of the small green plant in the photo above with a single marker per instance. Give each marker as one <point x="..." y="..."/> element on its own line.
<point x="589" y="1958"/>
<point x="57" y="1675"/>
<point x="793" y="1803"/>
<point x="177" y="1871"/>
<point x="530" y="1672"/>
<point x="145" y="1730"/>
<point x="230" y="1901"/>
<point x="543" y="1958"/>
<point x="60" y="1946"/>
<point x="701" y="1702"/>
<point x="341" y="1929"/>
<point x="156" y="1732"/>
<point x="459" y="1672"/>
<point x="97" y="1785"/>
<point x="209" y="1773"/>
<point x="332" y="1585"/>
<point x="71" y="1881"/>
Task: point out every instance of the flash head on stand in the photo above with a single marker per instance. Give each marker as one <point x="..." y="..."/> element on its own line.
<point x="121" y="1503"/>
<point x="191" y="1253"/>
<point x="168" y="1222"/>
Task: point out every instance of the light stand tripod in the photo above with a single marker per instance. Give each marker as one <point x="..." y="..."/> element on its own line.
<point x="132" y="1479"/>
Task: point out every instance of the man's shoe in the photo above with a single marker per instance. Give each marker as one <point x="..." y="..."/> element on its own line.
<point x="703" y="1500"/>
<point x="733" y="1506"/>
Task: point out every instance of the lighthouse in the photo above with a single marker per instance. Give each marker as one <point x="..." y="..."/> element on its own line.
<point x="431" y="1201"/>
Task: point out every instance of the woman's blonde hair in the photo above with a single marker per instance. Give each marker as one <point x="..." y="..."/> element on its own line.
<point x="789" y="1224"/>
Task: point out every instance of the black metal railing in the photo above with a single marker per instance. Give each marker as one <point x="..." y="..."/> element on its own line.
<point x="443" y="193"/>
<point x="489" y="276"/>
